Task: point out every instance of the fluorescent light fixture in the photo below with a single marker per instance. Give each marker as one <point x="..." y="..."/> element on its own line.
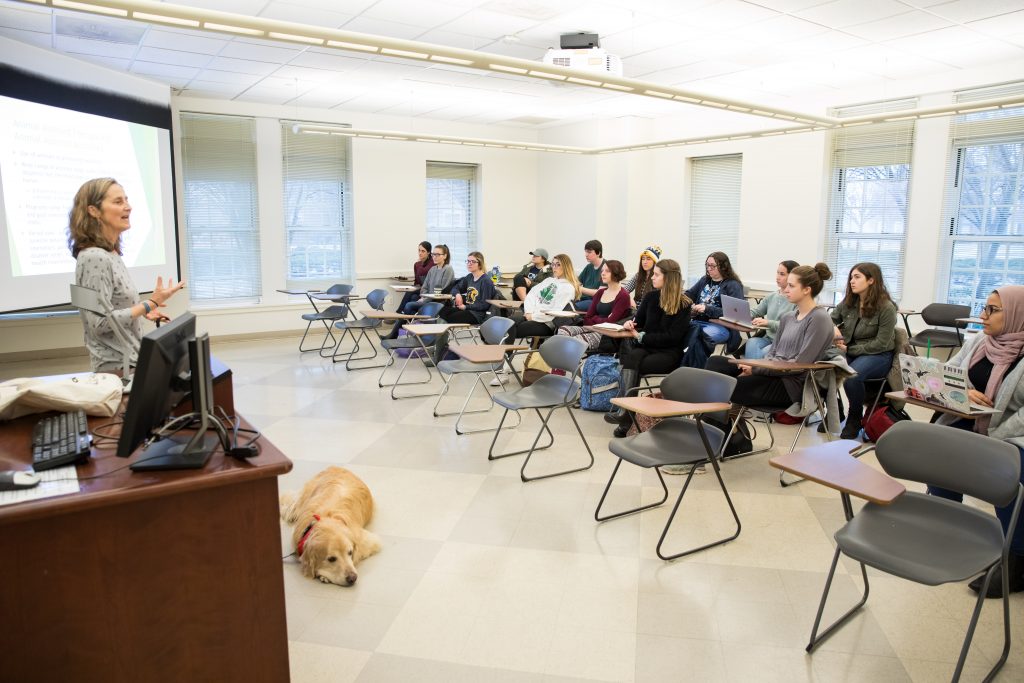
<point x="934" y="115"/>
<point x="899" y="118"/>
<point x="774" y="132"/>
<point x="427" y="140"/>
<point x="733" y="107"/>
<point x="240" y="30"/>
<point x="341" y="44"/>
<point x="395" y="137"/>
<point x="89" y="7"/>
<point x="473" y="144"/>
<point x="616" y="86"/>
<point x="403" y="53"/>
<point x="658" y="93"/>
<point x="450" y="142"/>
<point x="317" y="132"/>
<point x="161" y="19"/>
<point x="684" y="98"/>
<point x="367" y="135"/>
<point x="546" y="74"/>
<point x="720" y="105"/>
<point x="974" y="109"/>
<point x="507" y="69"/>
<point x="584" y="81"/>
<point x="761" y="112"/>
<point x="450" y="60"/>
<point x="338" y="132"/>
<point x="309" y="40"/>
<point x="851" y="124"/>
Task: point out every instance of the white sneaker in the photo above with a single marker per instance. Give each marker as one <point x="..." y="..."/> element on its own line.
<point x="500" y="379"/>
<point x="680" y="469"/>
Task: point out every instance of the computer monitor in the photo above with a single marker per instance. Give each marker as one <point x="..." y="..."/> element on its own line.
<point x="173" y="363"/>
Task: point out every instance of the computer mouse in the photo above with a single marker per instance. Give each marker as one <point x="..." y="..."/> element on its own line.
<point x="17" y="479"/>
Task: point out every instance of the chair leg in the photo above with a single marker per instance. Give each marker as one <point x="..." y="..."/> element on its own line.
<point x="543" y="426"/>
<point x="976" y="614"/>
<point x="544" y="420"/>
<point x="817" y="639"/>
<point x="732" y="429"/>
<point x="323" y="345"/>
<point x="792" y="447"/>
<point x="616" y="515"/>
<point x="458" y="423"/>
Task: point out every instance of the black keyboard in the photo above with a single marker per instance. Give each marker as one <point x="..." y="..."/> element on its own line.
<point x="60" y="440"/>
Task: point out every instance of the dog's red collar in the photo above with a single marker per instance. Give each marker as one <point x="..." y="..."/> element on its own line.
<point x="305" y="535"/>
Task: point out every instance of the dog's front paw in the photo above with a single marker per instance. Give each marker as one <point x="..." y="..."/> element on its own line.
<point x="323" y="579"/>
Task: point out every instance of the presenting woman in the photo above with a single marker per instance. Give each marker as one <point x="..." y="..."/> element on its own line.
<point x="866" y="319"/>
<point x="996" y="377"/>
<point x="656" y="337"/>
<point x="98" y="218"/>
<point x="419" y="271"/>
<point x="766" y="314"/>
<point x="610" y="304"/>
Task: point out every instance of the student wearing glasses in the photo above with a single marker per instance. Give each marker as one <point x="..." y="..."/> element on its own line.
<point x="866" y="319"/>
<point x="707" y="293"/>
<point x="996" y="375"/>
<point x="419" y="271"/>
<point x="471" y="293"/>
<point x="438" y="278"/>
<point x="554" y="294"/>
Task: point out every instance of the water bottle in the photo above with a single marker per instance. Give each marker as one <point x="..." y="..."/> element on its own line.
<point x="494" y="274"/>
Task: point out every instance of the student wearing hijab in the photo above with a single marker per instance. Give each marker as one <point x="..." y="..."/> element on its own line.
<point x="996" y="377"/>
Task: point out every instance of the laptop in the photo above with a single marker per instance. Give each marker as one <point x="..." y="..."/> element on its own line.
<point x="736" y="311"/>
<point x="932" y="381"/>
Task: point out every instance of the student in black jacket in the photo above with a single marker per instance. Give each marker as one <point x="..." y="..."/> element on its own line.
<point x="471" y="293"/>
<point x="658" y="333"/>
<point x="706" y="294"/>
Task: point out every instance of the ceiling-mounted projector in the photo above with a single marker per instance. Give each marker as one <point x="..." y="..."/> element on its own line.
<point x="583" y="51"/>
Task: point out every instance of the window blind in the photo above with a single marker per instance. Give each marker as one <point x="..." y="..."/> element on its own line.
<point x="867" y="214"/>
<point x="714" y="210"/>
<point x="318" y="234"/>
<point x="221" y="219"/>
<point x="983" y="217"/>
<point x="451" y="209"/>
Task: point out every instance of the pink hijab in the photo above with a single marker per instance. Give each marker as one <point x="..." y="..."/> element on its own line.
<point x="1004" y="348"/>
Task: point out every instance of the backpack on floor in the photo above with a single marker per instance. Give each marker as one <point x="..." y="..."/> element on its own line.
<point x="881" y="419"/>
<point x="742" y="439"/>
<point x="600" y="383"/>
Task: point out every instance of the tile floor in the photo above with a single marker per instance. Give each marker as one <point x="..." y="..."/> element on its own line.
<point x="484" y="578"/>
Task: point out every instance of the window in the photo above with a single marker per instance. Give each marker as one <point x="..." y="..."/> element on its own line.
<point x="714" y="210"/>
<point x="984" y="213"/>
<point x="221" y="226"/>
<point x="870" y="187"/>
<point x="451" y="208"/>
<point x="318" y="231"/>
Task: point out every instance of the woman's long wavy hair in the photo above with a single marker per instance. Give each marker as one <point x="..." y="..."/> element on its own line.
<point x="672" y="296"/>
<point x="568" y="274"/>
<point x="875" y="297"/>
<point x="85" y="231"/>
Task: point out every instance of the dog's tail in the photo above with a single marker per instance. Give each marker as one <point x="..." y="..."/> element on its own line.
<point x="285" y="501"/>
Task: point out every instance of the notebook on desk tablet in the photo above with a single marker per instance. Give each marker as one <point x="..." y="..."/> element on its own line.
<point x="932" y="381"/>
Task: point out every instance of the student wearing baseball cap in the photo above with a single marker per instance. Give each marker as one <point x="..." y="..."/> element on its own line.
<point x="537" y="270"/>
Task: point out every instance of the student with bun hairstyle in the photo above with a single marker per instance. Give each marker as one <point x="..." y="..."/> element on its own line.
<point x="766" y="314"/>
<point x="803" y="337"/>
<point x="866" y="319"/>
<point x="610" y="304"/>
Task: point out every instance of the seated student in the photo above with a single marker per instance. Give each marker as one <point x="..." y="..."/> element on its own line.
<point x="992" y="361"/>
<point x="658" y="332"/>
<point x="419" y="271"/>
<point x="610" y="304"/>
<point x="866" y="318"/>
<point x="707" y="297"/>
<point x="537" y="270"/>
<point x="767" y="313"/>
<point x="554" y="294"/>
<point x="471" y="293"/>
<point x="590" y="276"/>
<point x="640" y="284"/>
<point x="438" y="278"/>
<point x="803" y="337"/>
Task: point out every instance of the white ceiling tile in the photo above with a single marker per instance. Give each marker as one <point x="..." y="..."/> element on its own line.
<point x="986" y="53"/>
<point x="177" y="57"/>
<point x="666" y="9"/>
<point x="215" y="91"/>
<point x="925" y="3"/>
<point x="650" y="36"/>
<point x="347" y="6"/>
<point x="379" y="27"/>
<point x="303" y="14"/>
<point x="264" y="97"/>
<point x="886" y="62"/>
<point x="26" y="19"/>
<point x="94" y="47"/>
<point x="487" y="24"/>
<point x="112" y="62"/>
<point x="205" y="44"/>
<point x="230" y="89"/>
<point x="515" y="50"/>
<point x="307" y="74"/>
<point x="531" y="9"/>
<point x="938" y="44"/>
<point x="452" y="39"/>
<point x="333" y="94"/>
<point x="657" y="60"/>
<point x="962" y="11"/>
<point x="907" y="24"/>
<point x="392" y="70"/>
<point x="604" y="20"/>
<point x="780" y="28"/>
<point x="789" y="5"/>
<point x="824" y="43"/>
<point x="374" y="101"/>
<point x="244" y="66"/>
<point x="728" y="14"/>
<point x="234" y="78"/>
<point x="1003" y="25"/>
<point x="30" y="37"/>
<point x="415" y="12"/>
<point x="260" y="52"/>
<point x="842" y="13"/>
<point x="250" y="7"/>
<point x="165" y="70"/>
<point x="693" y="72"/>
<point x="332" y="60"/>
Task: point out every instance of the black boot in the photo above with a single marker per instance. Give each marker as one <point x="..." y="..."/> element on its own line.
<point x="851" y="430"/>
<point x="995" y="586"/>
<point x="614" y="416"/>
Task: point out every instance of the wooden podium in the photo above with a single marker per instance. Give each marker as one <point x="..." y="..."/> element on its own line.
<point x="153" y="576"/>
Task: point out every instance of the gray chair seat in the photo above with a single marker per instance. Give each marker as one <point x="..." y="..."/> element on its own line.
<point x="670" y="442"/>
<point x="329" y="313"/>
<point x="409" y="342"/>
<point x="548" y="390"/>
<point x="361" y="324"/>
<point x="455" y="367"/>
<point x="941" y="338"/>
<point x="911" y="538"/>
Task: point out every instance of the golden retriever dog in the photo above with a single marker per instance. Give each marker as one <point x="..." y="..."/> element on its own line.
<point x="329" y="516"/>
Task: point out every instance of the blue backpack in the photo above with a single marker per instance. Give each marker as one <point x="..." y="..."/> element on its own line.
<point x="600" y="382"/>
